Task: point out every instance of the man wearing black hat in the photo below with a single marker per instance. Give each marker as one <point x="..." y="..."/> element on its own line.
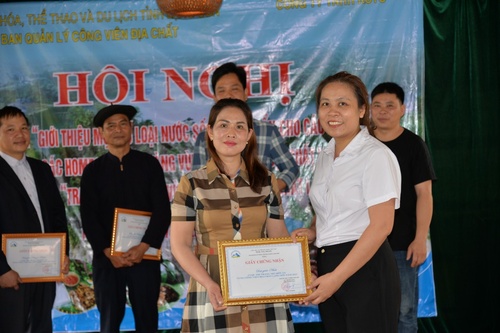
<point x="129" y="179"/>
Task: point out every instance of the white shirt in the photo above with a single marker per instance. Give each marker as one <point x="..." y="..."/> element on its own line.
<point x="23" y="171"/>
<point x="365" y="174"/>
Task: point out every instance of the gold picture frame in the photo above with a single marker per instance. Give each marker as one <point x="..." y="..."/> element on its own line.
<point x="264" y="270"/>
<point x="129" y="226"/>
<point x="36" y="257"/>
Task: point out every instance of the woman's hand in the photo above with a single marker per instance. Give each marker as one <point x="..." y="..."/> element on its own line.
<point x="323" y="288"/>
<point x="304" y="232"/>
<point x="215" y="296"/>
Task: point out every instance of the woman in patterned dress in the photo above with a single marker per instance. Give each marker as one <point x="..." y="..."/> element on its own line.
<point x="233" y="197"/>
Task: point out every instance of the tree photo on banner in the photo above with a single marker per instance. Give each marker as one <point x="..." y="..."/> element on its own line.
<point x="63" y="61"/>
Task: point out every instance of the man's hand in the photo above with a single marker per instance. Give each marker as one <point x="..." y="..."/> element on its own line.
<point x="10" y="280"/>
<point x="417" y="252"/>
<point x="65" y="267"/>
<point x="136" y="253"/>
<point x="281" y="185"/>
<point x="117" y="261"/>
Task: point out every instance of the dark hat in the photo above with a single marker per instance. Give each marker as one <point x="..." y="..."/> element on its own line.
<point x="113" y="109"/>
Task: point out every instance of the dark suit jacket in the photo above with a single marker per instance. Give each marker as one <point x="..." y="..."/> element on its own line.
<point x="17" y="213"/>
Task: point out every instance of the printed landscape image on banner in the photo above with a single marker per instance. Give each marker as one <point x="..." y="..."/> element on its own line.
<point x="63" y="61"/>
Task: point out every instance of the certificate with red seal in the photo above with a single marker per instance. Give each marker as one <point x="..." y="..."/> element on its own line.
<point x="265" y="270"/>
<point x="36" y="257"/>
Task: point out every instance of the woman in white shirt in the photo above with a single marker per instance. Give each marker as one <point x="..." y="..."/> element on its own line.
<point x="355" y="190"/>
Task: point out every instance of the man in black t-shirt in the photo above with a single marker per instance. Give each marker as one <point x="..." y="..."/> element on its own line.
<point x="408" y="238"/>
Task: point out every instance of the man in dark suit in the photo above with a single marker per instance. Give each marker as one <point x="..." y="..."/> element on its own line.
<point x="30" y="202"/>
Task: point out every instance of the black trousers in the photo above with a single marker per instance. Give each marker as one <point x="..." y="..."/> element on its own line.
<point x="369" y="300"/>
<point x="28" y="309"/>
<point x="141" y="283"/>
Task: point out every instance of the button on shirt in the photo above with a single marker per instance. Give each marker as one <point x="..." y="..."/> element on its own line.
<point x="23" y="171"/>
<point x="365" y="174"/>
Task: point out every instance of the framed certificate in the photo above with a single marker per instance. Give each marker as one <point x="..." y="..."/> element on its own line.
<point x="265" y="270"/>
<point x="129" y="227"/>
<point x="36" y="257"/>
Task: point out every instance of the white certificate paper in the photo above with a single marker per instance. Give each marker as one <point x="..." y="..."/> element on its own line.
<point x="264" y="271"/>
<point x="35" y="257"/>
<point x="128" y="229"/>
